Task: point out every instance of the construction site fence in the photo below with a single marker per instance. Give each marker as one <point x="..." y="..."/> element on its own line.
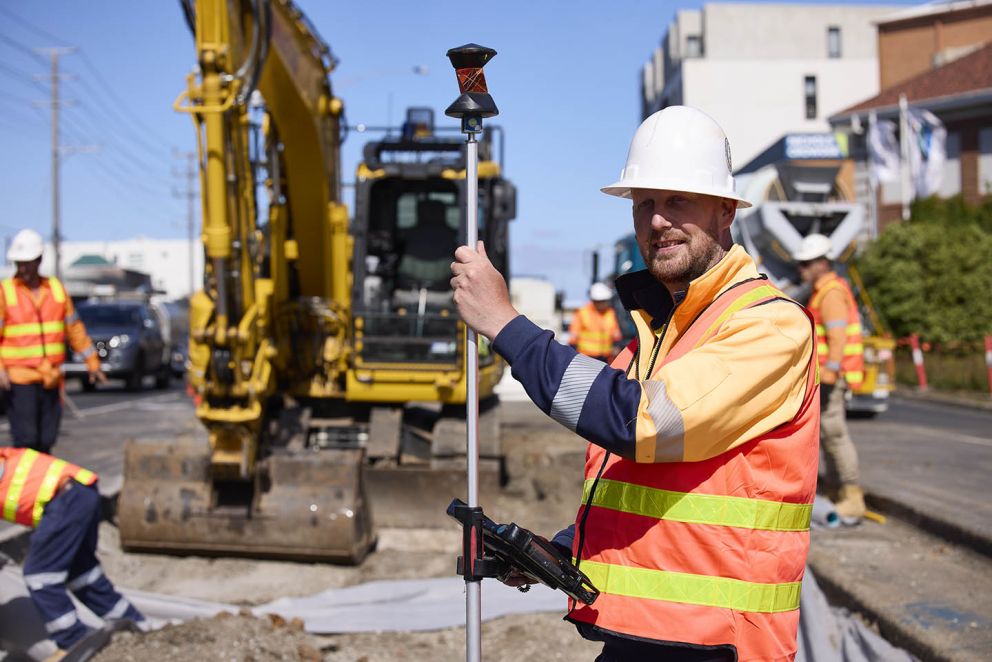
<point x="952" y="366"/>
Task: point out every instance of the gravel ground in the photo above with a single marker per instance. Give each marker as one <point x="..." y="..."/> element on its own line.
<point x="544" y="463"/>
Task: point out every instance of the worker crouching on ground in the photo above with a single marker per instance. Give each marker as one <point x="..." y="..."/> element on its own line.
<point x="594" y="329"/>
<point x="37" y="317"/>
<point x="701" y="468"/>
<point x="60" y="502"/>
<point x="841" y="356"/>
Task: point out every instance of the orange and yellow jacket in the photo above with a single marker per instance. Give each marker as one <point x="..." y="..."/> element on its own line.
<point x="839" y="342"/>
<point x="593" y="333"/>
<point x="29" y="480"/>
<point x="702" y="463"/>
<point x="35" y="327"/>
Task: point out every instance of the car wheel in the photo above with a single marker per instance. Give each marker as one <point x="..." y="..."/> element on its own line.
<point x="136" y="377"/>
<point x="163" y="377"/>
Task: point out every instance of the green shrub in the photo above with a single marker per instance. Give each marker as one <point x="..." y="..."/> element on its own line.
<point x="933" y="274"/>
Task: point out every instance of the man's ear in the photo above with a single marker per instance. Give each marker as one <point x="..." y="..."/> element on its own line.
<point x="728" y="210"/>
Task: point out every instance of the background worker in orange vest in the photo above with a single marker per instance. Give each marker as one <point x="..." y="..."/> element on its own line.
<point x="594" y="328"/>
<point x="841" y="357"/>
<point x="37" y="317"/>
<point x="701" y="466"/>
<point x="60" y="502"/>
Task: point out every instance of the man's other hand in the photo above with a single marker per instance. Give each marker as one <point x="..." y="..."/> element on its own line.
<point x="97" y="377"/>
<point x="4" y="380"/>
<point x="480" y="292"/>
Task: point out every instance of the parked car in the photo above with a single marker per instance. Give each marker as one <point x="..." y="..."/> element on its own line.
<point x="129" y="341"/>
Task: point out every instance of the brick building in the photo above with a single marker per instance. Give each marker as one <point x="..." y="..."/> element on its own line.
<point x="940" y="56"/>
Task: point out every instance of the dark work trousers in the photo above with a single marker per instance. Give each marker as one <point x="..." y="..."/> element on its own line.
<point x="617" y="649"/>
<point x="35" y="414"/>
<point x="62" y="558"/>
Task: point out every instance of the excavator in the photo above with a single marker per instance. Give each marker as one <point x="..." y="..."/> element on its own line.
<point x="326" y="357"/>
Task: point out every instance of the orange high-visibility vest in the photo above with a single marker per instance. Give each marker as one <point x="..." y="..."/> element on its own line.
<point x="29" y="480"/>
<point x="852" y="366"/>
<point x="595" y="332"/>
<point x="33" y="335"/>
<point x="712" y="552"/>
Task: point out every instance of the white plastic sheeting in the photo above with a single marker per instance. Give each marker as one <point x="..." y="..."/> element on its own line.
<point x="826" y="634"/>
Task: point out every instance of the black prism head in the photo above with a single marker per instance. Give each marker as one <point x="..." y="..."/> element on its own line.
<point x="468" y="61"/>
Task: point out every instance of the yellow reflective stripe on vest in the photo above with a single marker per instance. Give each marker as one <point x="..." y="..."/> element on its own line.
<point x="33" y="329"/>
<point x="58" y="292"/>
<point x="740" y="303"/>
<point x="699" y="508"/>
<point x="849" y="350"/>
<point x="692" y="589"/>
<point x="17" y="484"/>
<point x="85" y="476"/>
<point x="854" y="377"/>
<point x="47" y="490"/>
<point x="32" y="351"/>
<point x="9" y="292"/>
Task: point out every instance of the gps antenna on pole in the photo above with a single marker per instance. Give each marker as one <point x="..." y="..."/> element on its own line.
<point x="471" y="107"/>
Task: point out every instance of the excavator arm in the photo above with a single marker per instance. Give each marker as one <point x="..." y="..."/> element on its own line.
<point x="270" y="325"/>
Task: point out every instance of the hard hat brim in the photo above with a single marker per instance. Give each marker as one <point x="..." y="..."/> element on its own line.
<point x="799" y="256"/>
<point x="622" y="190"/>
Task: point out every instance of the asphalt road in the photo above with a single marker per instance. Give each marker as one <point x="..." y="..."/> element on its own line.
<point x="930" y="459"/>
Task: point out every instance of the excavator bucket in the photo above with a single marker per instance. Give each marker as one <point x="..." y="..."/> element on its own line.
<point x="308" y="505"/>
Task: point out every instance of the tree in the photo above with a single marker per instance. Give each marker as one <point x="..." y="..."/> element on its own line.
<point x="933" y="275"/>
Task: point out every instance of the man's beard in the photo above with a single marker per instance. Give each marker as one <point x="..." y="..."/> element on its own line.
<point x="693" y="260"/>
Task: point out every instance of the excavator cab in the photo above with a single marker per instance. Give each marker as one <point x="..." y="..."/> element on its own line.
<point x="409" y="343"/>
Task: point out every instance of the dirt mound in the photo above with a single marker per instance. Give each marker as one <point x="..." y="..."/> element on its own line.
<point x="233" y="638"/>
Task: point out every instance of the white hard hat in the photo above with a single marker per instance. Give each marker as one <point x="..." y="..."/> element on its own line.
<point x="600" y="292"/>
<point x="812" y="247"/>
<point x="679" y="148"/>
<point x="27" y="245"/>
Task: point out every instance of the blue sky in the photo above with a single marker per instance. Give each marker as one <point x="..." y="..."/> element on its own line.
<point x="566" y="81"/>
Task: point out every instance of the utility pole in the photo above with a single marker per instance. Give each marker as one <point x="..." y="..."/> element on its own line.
<point x="54" y="54"/>
<point x="189" y="192"/>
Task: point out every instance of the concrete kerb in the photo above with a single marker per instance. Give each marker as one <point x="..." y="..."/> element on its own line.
<point x="953" y="399"/>
<point x="950" y="531"/>
<point x="894" y="631"/>
<point x="15" y="539"/>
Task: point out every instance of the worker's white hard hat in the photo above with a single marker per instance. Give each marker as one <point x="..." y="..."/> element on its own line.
<point x="812" y="247"/>
<point x="600" y="292"/>
<point x="27" y="245"/>
<point x="679" y="148"/>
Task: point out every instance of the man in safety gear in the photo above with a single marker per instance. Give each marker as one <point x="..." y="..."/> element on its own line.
<point x="701" y="468"/>
<point x="841" y="357"/>
<point x="594" y="328"/>
<point x="60" y="502"/>
<point x="37" y="317"/>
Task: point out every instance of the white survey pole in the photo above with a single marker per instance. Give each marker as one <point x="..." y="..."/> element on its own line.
<point x="473" y="592"/>
<point x="471" y="107"/>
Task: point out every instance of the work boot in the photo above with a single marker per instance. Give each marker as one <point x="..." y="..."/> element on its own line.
<point x="851" y="504"/>
<point x="57" y="655"/>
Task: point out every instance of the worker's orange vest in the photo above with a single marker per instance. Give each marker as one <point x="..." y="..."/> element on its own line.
<point x="852" y="366"/>
<point x="597" y="331"/>
<point x="708" y="553"/>
<point x="33" y="335"/>
<point x="28" y="481"/>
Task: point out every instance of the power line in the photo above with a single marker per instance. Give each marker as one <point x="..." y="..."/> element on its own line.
<point x="22" y="77"/>
<point x="30" y="27"/>
<point x="21" y="47"/>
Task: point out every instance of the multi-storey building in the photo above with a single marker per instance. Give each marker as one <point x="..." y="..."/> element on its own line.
<point x="763" y="70"/>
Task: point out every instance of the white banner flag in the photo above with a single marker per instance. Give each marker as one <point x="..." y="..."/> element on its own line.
<point x="883" y="149"/>
<point x="927" y="151"/>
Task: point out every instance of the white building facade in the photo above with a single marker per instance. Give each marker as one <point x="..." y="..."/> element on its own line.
<point x="167" y="261"/>
<point x="764" y="70"/>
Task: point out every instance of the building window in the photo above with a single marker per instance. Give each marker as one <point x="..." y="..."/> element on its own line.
<point x="833" y="41"/>
<point x="809" y="88"/>
<point x="693" y="46"/>
<point x="985" y="161"/>
<point x="950" y="183"/>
